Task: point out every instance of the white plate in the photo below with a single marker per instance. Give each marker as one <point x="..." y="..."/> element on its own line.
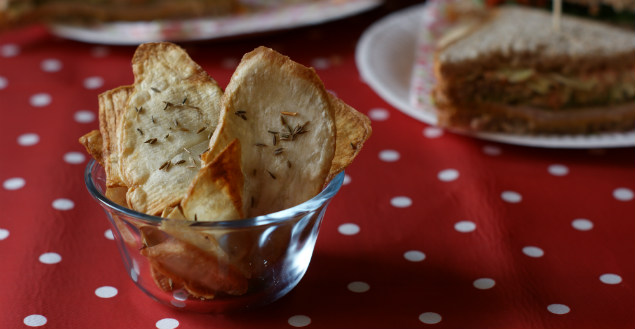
<point x="385" y="57"/>
<point x="264" y="20"/>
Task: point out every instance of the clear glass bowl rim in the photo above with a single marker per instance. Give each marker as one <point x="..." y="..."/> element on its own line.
<point x="277" y="217"/>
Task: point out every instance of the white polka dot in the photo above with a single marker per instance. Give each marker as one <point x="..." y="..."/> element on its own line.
<point x="532" y="251"/>
<point x="63" y="204"/>
<point x="108" y="234"/>
<point x="135" y="267"/>
<point x="93" y="82"/>
<point x="229" y="63"/>
<point x="3" y="82"/>
<point x="84" y="116"/>
<point x="28" y="139"/>
<point x="558" y="309"/>
<point x="106" y="292"/>
<point x="35" y="320"/>
<point x="582" y="224"/>
<point x="180" y="294"/>
<point x="492" y="150"/>
<point x="511" y="197"/>
<point x="378" y="114"/>
<point x="465" y="226"/>
<point x="623" y="194"/>
<point x="610" y="278"/>
<point x="430" y="318"/>
<point x="50" y="258"/>
<point x="558" y="170"/>
<point x="348" y="229"/>
<point x="448" y="175"/>
<point x="40" y="100"/>
<point x="177" y="303"/>
<point x="320" y="63"/>
<point x="100" y="51"/>
<point x="358" y="286"/>
<point x="51" y="65"/>
<point x="389" y="155"/>
<point x="4" y="233"/>
<point x="74" y="157"/>
<point x="134" y="275"/>
<point x="484" y="283"/>
<point x="432" y="132"/>
<point x="347" y="179"/>
<point x="299" y="321"/>
<point x="9" y="50"/>
<point x="414" y="255"/>
<point x="14" y="183"/>
<point x="167" y="323"/>
<point x="401" y="202"/>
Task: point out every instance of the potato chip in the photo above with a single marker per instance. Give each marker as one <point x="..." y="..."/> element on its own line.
<point x="163" y="282"/>
<point x="191" y="258"/>
<point x="165" y="126"/>
<point x="117" y="195"/>
<point x="173" y="213"/>
<point x="92" y="142"/>
<point x="281" y="113"/>
<point x="353" y="129"/>
<point x="216" y="192"/>
<point x="112" y="105"/>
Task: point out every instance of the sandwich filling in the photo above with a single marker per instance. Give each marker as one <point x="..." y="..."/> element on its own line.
<point x="548" y="90"/>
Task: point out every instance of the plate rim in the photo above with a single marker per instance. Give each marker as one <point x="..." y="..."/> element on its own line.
<point x="103" y="33"/>
<point x="369" y="76"/>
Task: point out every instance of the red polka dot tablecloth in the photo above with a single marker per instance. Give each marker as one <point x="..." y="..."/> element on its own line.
<point x="429" y="230"/>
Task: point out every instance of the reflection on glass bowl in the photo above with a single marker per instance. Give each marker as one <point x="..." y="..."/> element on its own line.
<point x="214" y="266"/>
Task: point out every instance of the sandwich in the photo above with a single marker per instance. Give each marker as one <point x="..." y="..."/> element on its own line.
<point x="512" y="72"/>
<point x="593" y="6"/>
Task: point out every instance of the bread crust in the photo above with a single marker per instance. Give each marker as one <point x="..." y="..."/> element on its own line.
<point x="504" y="38"/>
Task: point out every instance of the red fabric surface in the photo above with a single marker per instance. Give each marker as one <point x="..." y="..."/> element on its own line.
<point x="422" y="215"/>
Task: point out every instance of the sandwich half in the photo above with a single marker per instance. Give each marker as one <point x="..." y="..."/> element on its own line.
<point x="513" y="72"/>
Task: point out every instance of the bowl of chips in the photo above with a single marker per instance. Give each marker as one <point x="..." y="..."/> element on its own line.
<point x="216" y="196"/>
<point x="213" y="266"/>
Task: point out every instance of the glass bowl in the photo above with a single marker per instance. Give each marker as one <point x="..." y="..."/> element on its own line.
<point x="214" y="266"/>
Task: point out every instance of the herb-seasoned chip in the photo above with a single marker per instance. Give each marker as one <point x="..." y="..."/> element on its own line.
<point x="282" y="115"/>
<point x="165" y="126"/>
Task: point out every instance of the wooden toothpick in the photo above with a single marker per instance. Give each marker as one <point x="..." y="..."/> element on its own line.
<point x="556" y="14"/>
